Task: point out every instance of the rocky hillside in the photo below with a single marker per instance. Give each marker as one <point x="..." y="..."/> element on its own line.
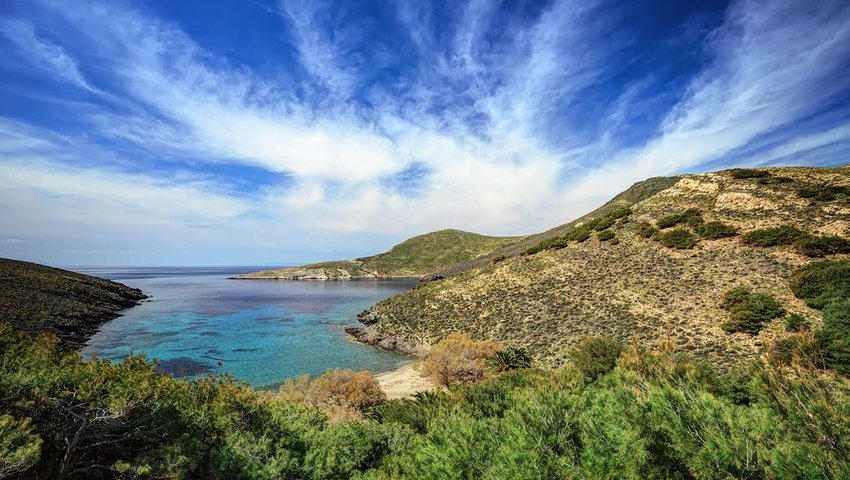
<point x="35" y="298"/>
<point x="413" y="258"/>
<point x="656" y="263"/>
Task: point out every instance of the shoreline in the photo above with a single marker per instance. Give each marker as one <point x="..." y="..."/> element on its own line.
<point x="403" y="382"/>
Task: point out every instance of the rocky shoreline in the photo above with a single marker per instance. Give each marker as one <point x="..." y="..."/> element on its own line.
<point x="36" y="298"/>
<point x="369" y="335"/>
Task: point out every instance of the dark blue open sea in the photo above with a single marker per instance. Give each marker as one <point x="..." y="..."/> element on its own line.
<point x="262" y="331"/>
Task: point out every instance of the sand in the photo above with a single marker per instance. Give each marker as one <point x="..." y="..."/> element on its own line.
<point x="403" y="382"/>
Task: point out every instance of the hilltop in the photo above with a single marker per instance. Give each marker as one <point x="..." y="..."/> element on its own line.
<point x="653" y="263"/>
<point x="35" y="299"/>
<point x="415" y="257"/>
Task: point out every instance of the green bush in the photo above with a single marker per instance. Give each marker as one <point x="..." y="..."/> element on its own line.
<point x="742" y="173"/>
<point x="822" y="193"/>
<point x="499" y="258"/>
<point x="595" y="355"/>
<point x="620" y="212"/>
<point x="749" y="310"/>
<point x="714" y="230"/>
<point x="605" y="235"/>
<point x="774" y="236"/>
<point x="834" y="337"/>
<point x="511" y="358"/>
<point x="822" y="282"/>
<point x="603" y="223"/>
<point x="646" y="230"/>
<point x="691" y="216"/>
<point x="822" y="246"/>
<point x="796" y="323"/>
<point x="678" y="238"/>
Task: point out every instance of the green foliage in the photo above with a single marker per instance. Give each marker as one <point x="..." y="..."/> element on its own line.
<point x="834" y="337"/>
<point x="511" y="358"/>
<point x="743" y="173"/>
<point x="499" y="259"/>
<point x="655" y="415"/>
<point x="714" y="230"/>
<point x="646" y="230"/>
<point x="594" y="356"/>
<point x="821" y="246"/>
<point x="691" y="217"/>
<point x="605" y="235"/>
<point x="774" y="236"/>
<point x="822" y="282"/>
<point x="603" y="224"/>
<point x="795" y="322"/>
<point x="822" y="193"/>
<point x="20" y="447"/>
<point x="678" y="238"/>
<point x="749" y="310"/>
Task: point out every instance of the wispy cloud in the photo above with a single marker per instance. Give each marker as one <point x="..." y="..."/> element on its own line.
<point x="424" y="116"/>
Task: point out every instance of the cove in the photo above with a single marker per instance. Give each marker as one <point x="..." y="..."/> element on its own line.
<point x="261" y="331"/>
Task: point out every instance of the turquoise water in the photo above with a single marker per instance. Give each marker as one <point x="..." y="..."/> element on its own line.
<point x="262" y="331"/>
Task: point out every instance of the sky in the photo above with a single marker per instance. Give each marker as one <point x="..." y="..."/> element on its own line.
<point x="257" y="132"/>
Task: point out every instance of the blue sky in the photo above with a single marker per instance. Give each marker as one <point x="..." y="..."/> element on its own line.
<point x="264" y="132"/>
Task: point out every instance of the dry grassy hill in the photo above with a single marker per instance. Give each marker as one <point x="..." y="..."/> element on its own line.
<point x="632" y="286"/>
<point x="413" y="258"/>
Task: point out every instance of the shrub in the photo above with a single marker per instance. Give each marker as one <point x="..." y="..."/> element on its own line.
<point x="742" y="173"/>
<point x="605" y="235"/>
<point x="714" y="230"/>
<point x="579" y="234"/>
<point x="749" y="310"/>
<point x="458" y="359"/>
<point x="774" y="236"/>
<point x="678" y="238"/>
<point x="646" y="230"/>
<point x="690" y="216"/>
<point x="595" y="355"/>
<point x="347" y="389"/>
<point x="603" y="223"/>
<point x="499" y="258"/>
<point x="20" y="447"/>
<point x="795" y="323"/>
<point x="799" y="349"/>
<point x="822" y="193"/>
<point x="822" y="282"/>
<point x="511" y="358"/>
<point x="834" y="337"/>
<point x="822" y="246"/>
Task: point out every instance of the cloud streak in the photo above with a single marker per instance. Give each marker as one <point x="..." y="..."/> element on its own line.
<point x="399" y="121"/>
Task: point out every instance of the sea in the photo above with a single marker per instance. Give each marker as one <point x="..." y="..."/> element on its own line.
<point x="197" y="321"/>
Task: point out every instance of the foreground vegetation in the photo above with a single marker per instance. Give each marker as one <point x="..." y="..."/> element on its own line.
<point x="636" y="414"/>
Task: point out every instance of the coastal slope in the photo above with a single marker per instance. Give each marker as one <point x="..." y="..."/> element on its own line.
<point x="633" y="280"/>
<point x="36" y="298"/>
<point x="414" y="258"/>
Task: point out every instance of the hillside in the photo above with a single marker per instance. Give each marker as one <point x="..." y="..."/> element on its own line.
<point x="413" y="258"/>
<point x="35" y="298"/>
<point x="554" y="288"/>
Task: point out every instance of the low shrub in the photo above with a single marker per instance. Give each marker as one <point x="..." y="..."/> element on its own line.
<point x="822" y="282"/>
<point x="796" y="323"/>
<point x="798" y="349"/>
<point x="749" y="310"/>
<point x="743" y="173"/>
<point x="714" y="230"/>
<point x="822" y="246"/>
<point x="620" y="212"/>
<point x="834" y="337"/>
<point x="603" y="223"/>
<point x="646" y="230"/>
<point x="691" y="216"/>
<point x="774" y="236"/>
<point x="346" y="389"/>
<point x="499" y="258"/>
<point x="458" y="359"/>
<point x="511" y="358"/>
<point x="595" y="355"/>
<point x="678" y="238"/>
<point x="605" y="235"/>
<point x="822" y="193"/>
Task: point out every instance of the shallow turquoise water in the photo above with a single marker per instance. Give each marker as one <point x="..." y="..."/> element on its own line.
<point x="262" y="331"/>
